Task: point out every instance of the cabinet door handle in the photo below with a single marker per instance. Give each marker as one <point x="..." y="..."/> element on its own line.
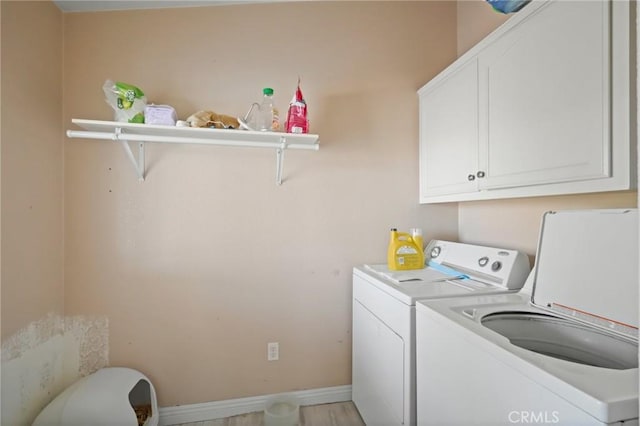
<point x="480" y="174"/>
<point x="471" y="177"/>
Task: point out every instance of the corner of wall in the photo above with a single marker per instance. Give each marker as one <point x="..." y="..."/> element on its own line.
<point x="475" y="20"/>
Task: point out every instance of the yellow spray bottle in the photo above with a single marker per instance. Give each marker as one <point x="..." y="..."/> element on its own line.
<point x="404" y="253"/>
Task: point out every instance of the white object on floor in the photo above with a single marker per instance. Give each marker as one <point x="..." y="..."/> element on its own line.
<point x="282" y="410"/>
<point x="104" y="398"/>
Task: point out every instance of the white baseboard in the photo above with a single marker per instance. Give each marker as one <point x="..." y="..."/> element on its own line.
<point x="233" y="407"/>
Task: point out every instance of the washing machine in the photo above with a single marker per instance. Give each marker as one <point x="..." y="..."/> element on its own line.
<point x="383" y="367"/>
<point x="563" y="350"/>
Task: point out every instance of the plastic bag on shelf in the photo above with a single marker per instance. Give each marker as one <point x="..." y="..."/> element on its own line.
<point x="127" y="101"/>
<point x="162" y="115"/>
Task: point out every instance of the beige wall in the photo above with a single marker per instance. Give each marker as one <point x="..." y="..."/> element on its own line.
<point x="32" y="208"/>
<point x="205" y="262"/>
<point x="513" y="223"/>
<point x="32" y="166"/>
<point x="476" y="19"/>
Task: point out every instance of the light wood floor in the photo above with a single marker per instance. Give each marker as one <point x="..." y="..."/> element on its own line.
<point x="337" y="414"/>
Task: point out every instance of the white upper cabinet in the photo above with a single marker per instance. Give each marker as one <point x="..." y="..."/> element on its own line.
<point x="540" y="107"/>
<point x="547" y="107"/>
<point x="449" y="115"/>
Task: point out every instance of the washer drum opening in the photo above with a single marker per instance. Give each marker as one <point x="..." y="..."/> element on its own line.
<point x="563" y="339"/>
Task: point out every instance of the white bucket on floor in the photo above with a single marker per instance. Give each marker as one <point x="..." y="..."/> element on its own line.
<point x="282" y="410"/>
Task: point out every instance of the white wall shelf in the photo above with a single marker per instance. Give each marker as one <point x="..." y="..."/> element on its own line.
<point x="143" y="133"/>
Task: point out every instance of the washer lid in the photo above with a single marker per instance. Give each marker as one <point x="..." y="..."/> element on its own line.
<point x="587" y="267"/>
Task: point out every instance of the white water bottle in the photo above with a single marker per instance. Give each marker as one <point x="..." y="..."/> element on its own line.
<point x="268" y="119"/>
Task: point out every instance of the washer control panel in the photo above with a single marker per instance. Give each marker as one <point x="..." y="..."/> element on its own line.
<point x="507" y="268"/>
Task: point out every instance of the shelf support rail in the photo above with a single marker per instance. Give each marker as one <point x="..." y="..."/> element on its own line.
<point x="280" y="159"/>
<point x="138" y="164"/>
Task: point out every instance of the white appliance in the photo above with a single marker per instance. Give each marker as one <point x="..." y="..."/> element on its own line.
<point x="564" y="350"/>
<point x="383" y="369"/>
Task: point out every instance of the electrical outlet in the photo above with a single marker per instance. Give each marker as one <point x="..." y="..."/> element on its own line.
<point x="273" y="351"/>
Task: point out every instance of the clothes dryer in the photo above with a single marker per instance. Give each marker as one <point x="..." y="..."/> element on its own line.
<point x="564" y="350"/>
<point x="384" y="302"/>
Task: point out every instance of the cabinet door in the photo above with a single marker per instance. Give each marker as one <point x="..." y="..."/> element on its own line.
<point x="545" y="98"/>
<point x="449" y="132"/>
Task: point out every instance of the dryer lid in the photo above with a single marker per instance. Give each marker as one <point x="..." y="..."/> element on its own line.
<point x="587" y="267"/>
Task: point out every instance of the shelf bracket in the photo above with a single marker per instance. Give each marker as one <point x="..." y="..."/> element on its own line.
<point x="280" y="159"/>
<point x="138" y="164"/>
